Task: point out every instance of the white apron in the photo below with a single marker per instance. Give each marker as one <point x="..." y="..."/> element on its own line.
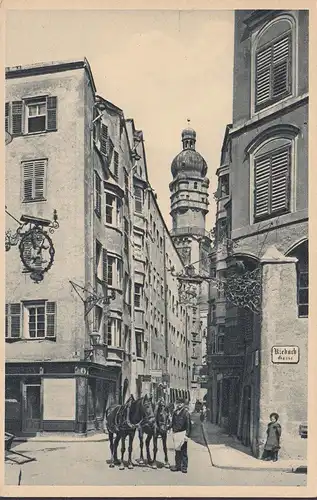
<point x="178" y="439"/>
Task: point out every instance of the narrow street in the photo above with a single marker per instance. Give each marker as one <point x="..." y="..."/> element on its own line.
<point x="85" y="464"/>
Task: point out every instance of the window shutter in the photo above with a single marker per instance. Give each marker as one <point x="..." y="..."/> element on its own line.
<point x="110" y="147"/>
<point x="262" y="186"/>
<point x="281" y="56"/>
<point x="17" y="110"/>
<point x="28" y="175"/>
<point x="263" y="75"/>
<point x="280" y="180"/>
<point x="34" y="179"/>
<point x="15" y="320"/>
<point x="39" y="177"/>
<point x="104" y="265"/>
<point x="116" y="163"/>
<point x="51" y="105"/>
<point x="7" y="320"/>
<point x="7" y="115"/>
<point x="97" y="194"/>
<point x="50" y="319"/>
<point x="103" y="138"/>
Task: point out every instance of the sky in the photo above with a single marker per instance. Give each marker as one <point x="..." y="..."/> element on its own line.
<point x="160" y="67"/>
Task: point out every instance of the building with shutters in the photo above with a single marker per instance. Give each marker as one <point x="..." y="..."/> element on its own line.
<point x="70" y="354"/>
<point x="258" y="325"/>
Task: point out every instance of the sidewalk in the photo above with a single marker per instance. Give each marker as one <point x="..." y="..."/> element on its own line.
<point x="64" y="438"/>
<point x="227" y="452"/>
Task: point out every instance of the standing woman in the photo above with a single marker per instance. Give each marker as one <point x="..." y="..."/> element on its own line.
<point x="272" y="444"/>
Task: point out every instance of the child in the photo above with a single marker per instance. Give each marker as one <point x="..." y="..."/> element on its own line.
<point x="272" y="444"/>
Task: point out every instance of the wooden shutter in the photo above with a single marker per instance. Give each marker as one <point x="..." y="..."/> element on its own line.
<point x="110" y="148"/>
<point x="103" y="138"/>
<point x="262" y="186"/>
<point x="7" y="117"/>
<point x="50" y="319"/>
<point x="34" y="174"/>
<point x="281" y="61"/>
<point x="263" y="75"/>
<point x="51" y="106"/>
<point x="17" y="111"/>
<point x="15" y="320"/>
<point x="280" y="180"/>
<point x="7" y="320"/>
<point x="104" y="265"/>
<point x="97" y="194"/>
<point x="116" y="163"/>
<point x="39" y="178"/>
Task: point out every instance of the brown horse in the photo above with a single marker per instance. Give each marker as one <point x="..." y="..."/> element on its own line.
<point x="159" y="427"/>
<point x="122" y="421"/>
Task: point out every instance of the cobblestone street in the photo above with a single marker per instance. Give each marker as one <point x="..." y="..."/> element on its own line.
<point x="85" y="463"/>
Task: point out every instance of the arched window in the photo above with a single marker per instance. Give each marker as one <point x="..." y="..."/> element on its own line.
<point x="273" y="62"/>
<point x="301" y="253"/>
<point x="272" y="169"/>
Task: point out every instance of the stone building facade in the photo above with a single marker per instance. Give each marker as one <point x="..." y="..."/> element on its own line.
<point x="262" y="237"/>
<point x="81" y="339"/>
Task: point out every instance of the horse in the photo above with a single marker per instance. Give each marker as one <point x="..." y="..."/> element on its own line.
<point x="160" y="427"/>
<point x="122" y="421"/>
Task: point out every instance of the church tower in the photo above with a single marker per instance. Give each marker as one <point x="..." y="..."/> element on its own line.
<point x="189" y="207"/>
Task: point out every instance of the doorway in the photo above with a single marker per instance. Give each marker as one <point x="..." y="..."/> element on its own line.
<point x="31" y="417"/>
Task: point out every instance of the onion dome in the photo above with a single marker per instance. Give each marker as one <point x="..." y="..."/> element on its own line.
<point x="189" y="163"/>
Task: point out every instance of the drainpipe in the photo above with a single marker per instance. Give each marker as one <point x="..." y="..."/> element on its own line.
<point x="131" y="262"/>
<point x="166" y="311"/>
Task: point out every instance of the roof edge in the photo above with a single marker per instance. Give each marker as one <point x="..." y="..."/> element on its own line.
<point x="49" y="67"/>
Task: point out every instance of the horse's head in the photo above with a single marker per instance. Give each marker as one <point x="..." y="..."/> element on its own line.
<point x="147" y="407"/>
<point x="163" y="416"/>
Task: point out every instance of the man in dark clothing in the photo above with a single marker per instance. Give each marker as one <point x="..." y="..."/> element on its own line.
<point x="181" y="427"/>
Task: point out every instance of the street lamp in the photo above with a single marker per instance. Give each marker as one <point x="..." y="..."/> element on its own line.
<point x="94" y="338"/>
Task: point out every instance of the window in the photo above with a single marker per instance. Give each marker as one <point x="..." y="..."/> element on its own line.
<point x="126" y="183"/>
<point x="273" y="64"/>
<point x="116" y="164"/>
<point x="301" y="253"/>
<point x="138" y="200"/>
<point x="272" y="183"/>
<point x="114" y="272"/>
<point x="126" y="235"/>
<point x="138" y="243"/>
<point x="31" y="116"/>
<point x="114" y="336"/>
<point x="97" y="195"/>
<point x="195" y="185"/>
<point x="99" y="262"/>
<point x="34" y="180"/>
<point x="138" y="295"/>
<point x="113" y="210"/>
<point x="139" y="344"/>
<point x="220" y="339"/>
<point x="224" y="185"/>
<point x="31" y="320"/>
<point x="98" y="318"/>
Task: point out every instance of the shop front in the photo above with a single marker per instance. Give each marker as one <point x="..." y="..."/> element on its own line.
<point x="58" y="396"/>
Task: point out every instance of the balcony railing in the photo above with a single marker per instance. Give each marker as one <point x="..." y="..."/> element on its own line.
<point x="199" y="231"/>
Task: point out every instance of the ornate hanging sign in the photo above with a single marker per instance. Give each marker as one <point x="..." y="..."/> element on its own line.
<point x="35" y="244"/>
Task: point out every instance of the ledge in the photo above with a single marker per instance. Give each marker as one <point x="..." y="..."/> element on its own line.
<point x="268" y="112"/>
<point x="269" y="224"/>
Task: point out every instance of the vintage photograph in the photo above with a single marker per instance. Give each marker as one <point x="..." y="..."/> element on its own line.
<point x="156" y="247"/>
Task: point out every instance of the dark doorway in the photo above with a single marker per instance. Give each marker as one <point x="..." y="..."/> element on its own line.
<point x="31" y="420"/>
<point x="246" y="416"/>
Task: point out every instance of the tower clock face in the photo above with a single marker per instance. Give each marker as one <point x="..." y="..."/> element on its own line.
<point x="37" y="251"/>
